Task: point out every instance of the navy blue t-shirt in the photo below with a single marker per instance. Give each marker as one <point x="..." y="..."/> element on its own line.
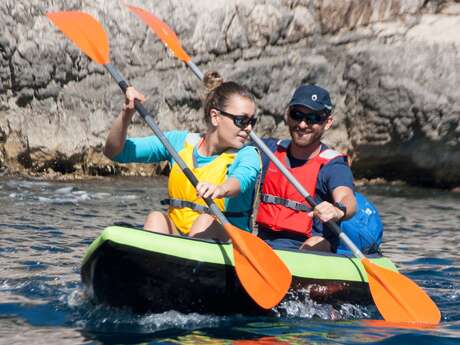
<point x="332" y="175"/>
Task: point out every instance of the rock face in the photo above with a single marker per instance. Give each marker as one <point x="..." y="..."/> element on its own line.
<point x="391" y="66"/>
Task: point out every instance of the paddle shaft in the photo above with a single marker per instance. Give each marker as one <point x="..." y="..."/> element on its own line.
<point x="396" y="296"/>
<point x="235" y="236"/>
<point x="331" y="225"/>
<point x="196" y="70"/>
<point x="149" y="120"/>
<point x="370" y="268"/>
<point x="170" y="39"/>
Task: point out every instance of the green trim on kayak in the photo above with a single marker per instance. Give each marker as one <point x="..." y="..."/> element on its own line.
<point x="183" y="247"/>
<point x="324" y="266"/>
<point x="304" y="264"/>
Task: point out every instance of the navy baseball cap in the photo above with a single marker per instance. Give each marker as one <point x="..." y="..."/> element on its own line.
<point x="313" y="97"/>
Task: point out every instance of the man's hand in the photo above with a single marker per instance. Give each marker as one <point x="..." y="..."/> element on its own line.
<point x="325" y="211"/>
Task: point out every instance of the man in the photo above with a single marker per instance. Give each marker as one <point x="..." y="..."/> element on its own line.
<point x="285" y="219"/>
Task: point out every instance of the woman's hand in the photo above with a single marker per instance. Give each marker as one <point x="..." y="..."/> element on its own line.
<point x="325" y="211"/>
<point x="205" y="190"/>
<point x="131" y="95"/>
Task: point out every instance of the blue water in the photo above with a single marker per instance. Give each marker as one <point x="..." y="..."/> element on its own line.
<point x="45" y="228"/>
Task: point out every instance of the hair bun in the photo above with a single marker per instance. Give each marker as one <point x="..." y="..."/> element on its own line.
<point x="212" y="80"/>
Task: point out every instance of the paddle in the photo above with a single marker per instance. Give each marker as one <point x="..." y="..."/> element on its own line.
<point x="397" y="297"/>
<point x="260" y="271"/>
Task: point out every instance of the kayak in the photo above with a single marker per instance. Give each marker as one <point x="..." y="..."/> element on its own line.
<point x="150" y="272"/>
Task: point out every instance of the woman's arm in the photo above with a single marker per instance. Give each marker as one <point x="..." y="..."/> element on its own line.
<point x="228" y="189"/>
<point x="242" y="177"/>
<point x="117" y="134"/>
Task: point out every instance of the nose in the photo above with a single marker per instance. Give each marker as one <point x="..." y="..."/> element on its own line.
<point x="249" y="127"/>
<point x="303" y="124"/>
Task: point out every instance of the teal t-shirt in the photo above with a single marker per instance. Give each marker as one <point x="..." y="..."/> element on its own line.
<point x="245" y="168"/>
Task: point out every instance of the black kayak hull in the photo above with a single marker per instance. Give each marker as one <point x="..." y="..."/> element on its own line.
<point x="150" y="272"/>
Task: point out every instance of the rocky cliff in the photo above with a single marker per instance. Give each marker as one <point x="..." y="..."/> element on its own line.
<point x="392" y="67"/>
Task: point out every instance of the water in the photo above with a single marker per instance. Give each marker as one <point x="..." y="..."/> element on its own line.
<point x="45" y="228"/>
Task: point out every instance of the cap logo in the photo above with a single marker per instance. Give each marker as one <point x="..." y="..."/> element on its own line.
<point x="314" y="98"/>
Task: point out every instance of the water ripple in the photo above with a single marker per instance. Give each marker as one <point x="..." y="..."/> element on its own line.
<point x="45" y="228"/>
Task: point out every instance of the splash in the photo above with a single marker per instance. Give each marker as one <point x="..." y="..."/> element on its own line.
<point x="298" y="304"/>
<point x="108" y="319"/>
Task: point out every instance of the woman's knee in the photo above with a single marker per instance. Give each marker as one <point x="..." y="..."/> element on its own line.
<point x="158" y="222"/>
<point x="208" y="227"/>
<point x="203" y="222"/>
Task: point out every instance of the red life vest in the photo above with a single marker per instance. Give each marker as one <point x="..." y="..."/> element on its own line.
<point x="282" y="207"/>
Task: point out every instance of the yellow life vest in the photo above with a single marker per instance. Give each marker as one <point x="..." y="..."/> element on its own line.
<point x="180" y="188"/>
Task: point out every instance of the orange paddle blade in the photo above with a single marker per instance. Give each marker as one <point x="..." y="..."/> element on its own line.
<point x="398" y="298"/>
<point x="85" y="31"/>
<point x="163" y="31"/>
<point x="261" y="272"/>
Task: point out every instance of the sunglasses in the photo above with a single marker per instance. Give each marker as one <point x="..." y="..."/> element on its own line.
<point x="240" y="121"/>
<point x="309" y="118"/>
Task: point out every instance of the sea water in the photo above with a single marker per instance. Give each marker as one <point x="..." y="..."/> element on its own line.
<point x="45" y="228"/>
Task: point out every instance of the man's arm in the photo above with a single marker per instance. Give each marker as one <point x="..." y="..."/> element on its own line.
<point x="344" y="196"/>
<point x="336" y="180"/>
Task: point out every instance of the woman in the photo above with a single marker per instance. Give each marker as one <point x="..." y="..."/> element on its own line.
<point x="227" y="170"/>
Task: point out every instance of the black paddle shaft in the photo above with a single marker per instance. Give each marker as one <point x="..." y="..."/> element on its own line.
<point x="301" y="189"/>
<point x="330" y="224"/>
<point x="150" y="121"/>
<point x="192" y="178"/>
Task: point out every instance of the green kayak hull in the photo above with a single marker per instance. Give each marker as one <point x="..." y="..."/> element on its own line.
<point x="150" y="272"/>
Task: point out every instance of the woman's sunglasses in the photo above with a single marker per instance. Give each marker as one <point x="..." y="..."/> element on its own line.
<point x="240" y="121"/>
<point x="310" y="118"/>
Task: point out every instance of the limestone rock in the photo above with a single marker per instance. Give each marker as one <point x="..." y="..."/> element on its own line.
<point x="391" y="66"/>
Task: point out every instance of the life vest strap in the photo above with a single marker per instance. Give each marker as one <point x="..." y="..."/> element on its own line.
<point x="178" y="203"/>
<point x="294" y="205"/>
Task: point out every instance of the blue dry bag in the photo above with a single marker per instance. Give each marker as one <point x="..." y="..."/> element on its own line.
<point x="365" y="228"/>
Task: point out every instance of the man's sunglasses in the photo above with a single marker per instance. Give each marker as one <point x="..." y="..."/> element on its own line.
<point x="240" y="121"/>
<point x="310" y="118"/>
